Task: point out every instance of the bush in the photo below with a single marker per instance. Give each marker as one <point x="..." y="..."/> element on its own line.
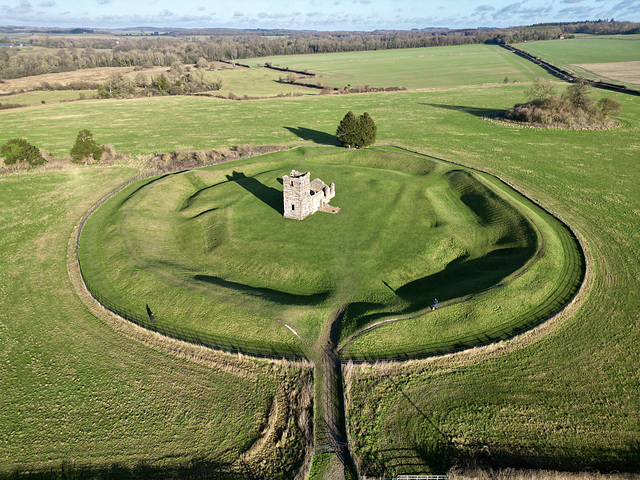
<point x="574" y="109"/>
<point x="19" y="150"/>
<point x="86" y="148"/>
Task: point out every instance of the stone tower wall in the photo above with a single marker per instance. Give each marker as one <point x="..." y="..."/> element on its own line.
<point x="297" y="203"/>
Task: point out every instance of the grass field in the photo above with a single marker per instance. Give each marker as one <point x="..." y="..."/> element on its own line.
<point x="75" y="390"/>
<point x="413" y="68"/>
<point x="563" y="396"/>
<point x="605" y="53"/>
<point x="45" y="96"/>
<point x="255" y="82"/>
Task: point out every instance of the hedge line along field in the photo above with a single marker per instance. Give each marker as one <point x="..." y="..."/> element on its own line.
<point x="563" y="396"/>
<point x="613" y="58"/>
<point x="586" y="49"/>
<point x="83" y="399"/>
<point x="209" y="251"/>
<point x="431" y="67"/>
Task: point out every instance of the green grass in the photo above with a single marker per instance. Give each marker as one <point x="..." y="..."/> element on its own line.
<point x="76" y="391"/>
<point x="214" y="254"/>
<point x="166" y="124"/>
<point x="564" y="399"/>
<point x="590" y="49"/>
<point x="580" y="56"/>
<point x="36" y="98"/>
<point x="413" y="68"/>
<point x="255" y="82"/>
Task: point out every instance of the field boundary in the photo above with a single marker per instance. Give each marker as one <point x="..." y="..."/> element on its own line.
<point x="569" y="76"/>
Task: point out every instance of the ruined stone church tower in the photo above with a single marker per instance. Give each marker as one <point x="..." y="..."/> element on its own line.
<point x="302" y="197"/>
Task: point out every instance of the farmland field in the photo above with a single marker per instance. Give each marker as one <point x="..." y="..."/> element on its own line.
<point x="35" y="98"/>
<point x="613" y="57"/>
<point x="81" y="390"/>
<point x="413" y="68"/>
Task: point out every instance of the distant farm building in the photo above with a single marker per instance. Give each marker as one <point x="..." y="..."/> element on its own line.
<point x="303" y="197"/>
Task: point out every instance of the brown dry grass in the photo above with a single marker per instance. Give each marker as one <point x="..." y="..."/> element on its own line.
<point x="90" y="75"/>
<point x="623" y="71"/>
<point x="512" y="474"/>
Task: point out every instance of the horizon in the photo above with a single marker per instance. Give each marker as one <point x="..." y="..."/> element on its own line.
<point x="312" y="15"/>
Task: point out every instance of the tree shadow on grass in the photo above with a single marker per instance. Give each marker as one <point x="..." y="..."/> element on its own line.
<point x="478" y="112"/>
<point x="269" y="195"/>
<point x="315" y="136"/>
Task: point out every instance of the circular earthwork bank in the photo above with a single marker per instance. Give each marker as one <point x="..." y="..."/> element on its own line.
<point x="206" y="256"/>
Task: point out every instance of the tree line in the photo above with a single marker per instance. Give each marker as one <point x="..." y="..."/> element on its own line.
<point x="62" y="54"/>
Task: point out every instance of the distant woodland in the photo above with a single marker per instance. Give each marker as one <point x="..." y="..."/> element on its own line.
<point x="64" y="50"/>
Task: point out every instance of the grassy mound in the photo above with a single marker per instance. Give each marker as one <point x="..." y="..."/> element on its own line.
<point x="206" y="256"/>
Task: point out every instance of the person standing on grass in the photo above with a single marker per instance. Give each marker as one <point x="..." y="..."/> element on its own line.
<point x="435" y="304"/>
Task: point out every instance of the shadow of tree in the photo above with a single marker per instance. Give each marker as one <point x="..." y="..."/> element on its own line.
<point x="270" y="196"/>
<point x="478" y="112"/>
<point x="314" y="136"/>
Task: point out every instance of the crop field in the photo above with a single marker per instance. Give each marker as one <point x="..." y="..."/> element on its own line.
<point x="613" y="57"/>
<point x="413" y="68"/>
<point x="83" y="388"/>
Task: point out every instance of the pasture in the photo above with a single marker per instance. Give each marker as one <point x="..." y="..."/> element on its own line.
<point x="413" y="68"/>
<point x="562" y="396"/>
<point x="612" y="57"/>
<point x="79" y="395"/>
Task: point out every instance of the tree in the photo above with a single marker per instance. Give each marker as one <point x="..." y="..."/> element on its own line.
<point x="116" y="86"/>
<point x="86" y="147"/>
<point x="19" y="150"/>
<point x="540" y="90"/>
<point x="367" y="131"/>
<point x="578" y="95"/>
<point x="348" y="130"/>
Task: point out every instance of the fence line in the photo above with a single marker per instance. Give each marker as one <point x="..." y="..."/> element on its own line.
<point x="421" y="477"/>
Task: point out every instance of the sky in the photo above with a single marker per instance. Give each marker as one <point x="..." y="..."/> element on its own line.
<point x="328" y="15"/>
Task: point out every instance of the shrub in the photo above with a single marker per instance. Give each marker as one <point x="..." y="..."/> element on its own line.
<point x="86" y="148"/>
<point x="19" y="150"/>
<point x="539" y="90"/>
<point x="574" y="109"/>
<point x="609" y="106"/>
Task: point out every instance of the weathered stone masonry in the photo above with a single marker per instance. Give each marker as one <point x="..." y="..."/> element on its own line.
<point x="303" y="198"/>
